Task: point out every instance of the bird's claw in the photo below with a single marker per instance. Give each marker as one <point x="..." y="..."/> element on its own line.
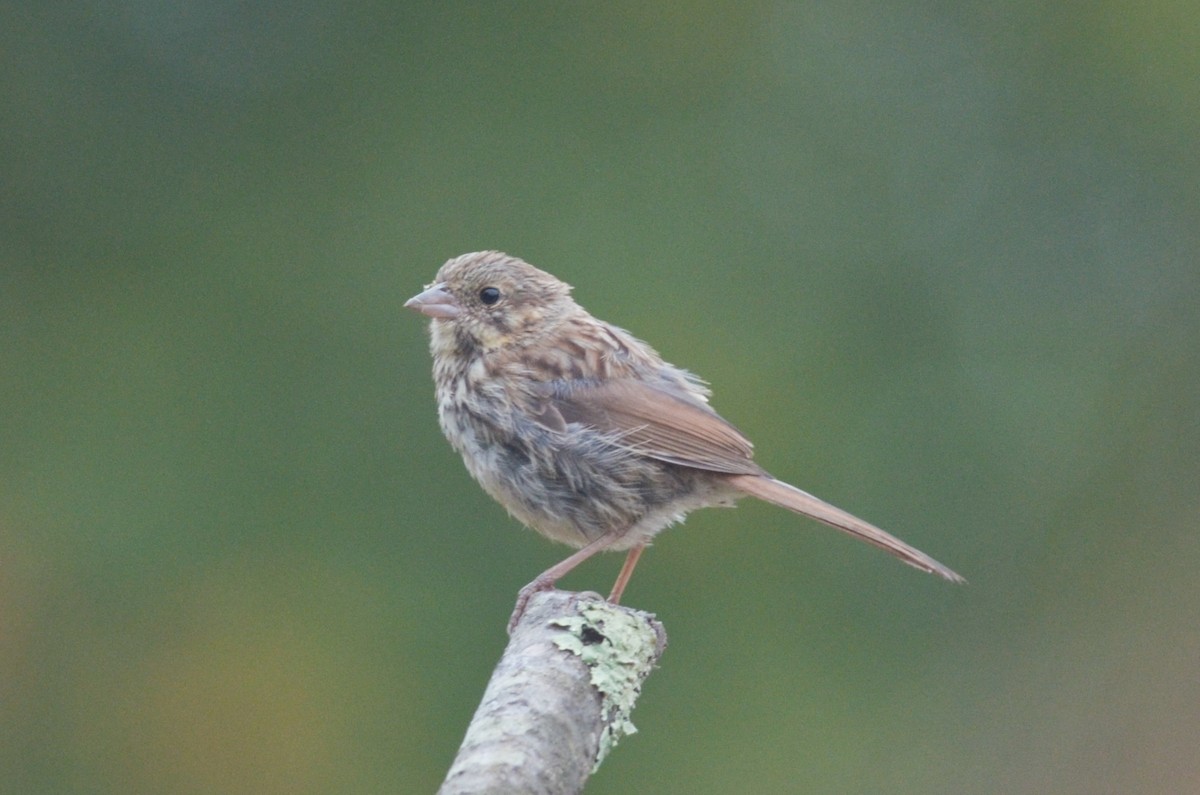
<point x="523" y="597"/>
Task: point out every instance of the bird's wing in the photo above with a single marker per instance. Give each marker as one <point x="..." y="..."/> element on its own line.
<point x="657" y="420"/>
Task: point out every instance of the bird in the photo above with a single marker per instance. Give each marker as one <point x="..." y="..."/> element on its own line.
<point x="581" y="430"/>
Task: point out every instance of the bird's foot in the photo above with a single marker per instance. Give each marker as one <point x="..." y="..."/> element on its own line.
<point x="523" y="596"/>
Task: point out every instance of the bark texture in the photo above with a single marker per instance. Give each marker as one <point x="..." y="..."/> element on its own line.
<point x="559" y="699"/>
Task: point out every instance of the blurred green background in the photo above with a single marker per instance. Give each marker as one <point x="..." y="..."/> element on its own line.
<point x="939" y="259"/>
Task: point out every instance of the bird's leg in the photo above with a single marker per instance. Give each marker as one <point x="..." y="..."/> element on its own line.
<point x="626" y="572"/>
<point x="545" y="581"/>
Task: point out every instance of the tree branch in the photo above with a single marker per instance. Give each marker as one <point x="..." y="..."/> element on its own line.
<point x="560" y="697"/>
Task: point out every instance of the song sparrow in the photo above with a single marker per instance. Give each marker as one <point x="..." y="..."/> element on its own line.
<point x="581" y="430"/>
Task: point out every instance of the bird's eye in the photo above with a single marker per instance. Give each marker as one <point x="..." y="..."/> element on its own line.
<point x="489" y="295"/>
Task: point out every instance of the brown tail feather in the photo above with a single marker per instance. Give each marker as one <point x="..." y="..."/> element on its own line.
<point x="779" y="493"/>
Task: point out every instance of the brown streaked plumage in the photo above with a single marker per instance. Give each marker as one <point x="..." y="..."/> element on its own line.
<point x="581" y="430"/>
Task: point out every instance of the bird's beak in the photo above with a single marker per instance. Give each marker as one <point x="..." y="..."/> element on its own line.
<point x="436" y="302"/>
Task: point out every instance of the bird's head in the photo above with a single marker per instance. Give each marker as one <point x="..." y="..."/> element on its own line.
<point x="489" y="300"/>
